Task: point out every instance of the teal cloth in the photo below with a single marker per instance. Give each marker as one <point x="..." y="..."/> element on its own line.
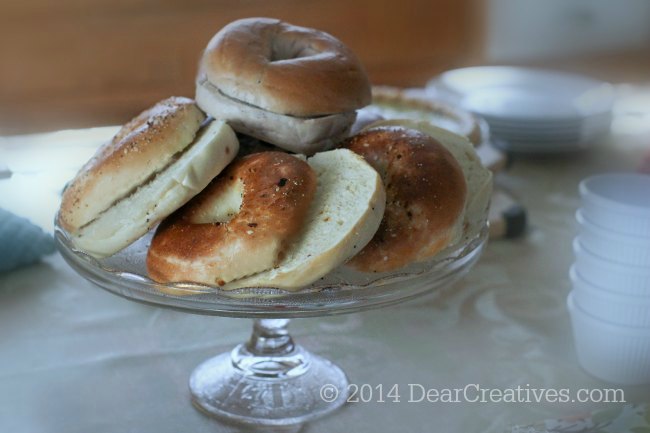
<point x="21" y="242"/>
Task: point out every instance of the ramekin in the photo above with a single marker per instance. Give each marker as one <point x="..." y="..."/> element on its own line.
<point x="609" y="275"/>
<point x="617" y="247"/>
<point x="609" y="306"/>
<point x="619" y="202"/>
<point x="614" y="353"/>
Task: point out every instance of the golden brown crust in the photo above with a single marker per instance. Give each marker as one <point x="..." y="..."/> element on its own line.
<point x="142" y="147"/>
<point x="285" y="69"/>
<point x="425" y="196"/>
<point x="399" y="99"/>
<point x="193" y="245"/>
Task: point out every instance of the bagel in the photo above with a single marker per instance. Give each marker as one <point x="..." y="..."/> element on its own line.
<point x="425" y="197"/>
<point x="343" y="217"/>
<point x="155" y="164"/>
<point x="295" y="87"/>
<point x="241" y="224"/>
<point x="477" y="177"/>
<point x="396" y="103"/>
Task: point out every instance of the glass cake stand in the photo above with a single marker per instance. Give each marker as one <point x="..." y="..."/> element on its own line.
<point x="269" y="381"/>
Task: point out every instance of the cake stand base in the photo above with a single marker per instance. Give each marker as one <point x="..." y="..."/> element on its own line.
<point x="268" y="382"/>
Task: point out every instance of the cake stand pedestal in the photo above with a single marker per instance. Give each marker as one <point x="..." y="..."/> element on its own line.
<point x="268" y="381"/>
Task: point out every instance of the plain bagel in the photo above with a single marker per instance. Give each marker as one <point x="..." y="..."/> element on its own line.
<point x="154" y="165"/>
<point x="396" y="103"/>
<point x="291" y="86"/>
<point x="241" y="224"/>
<point x="425" y="197"/>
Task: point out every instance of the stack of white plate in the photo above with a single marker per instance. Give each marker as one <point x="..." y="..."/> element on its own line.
<point x="610" y="302"/>
<point x="531" y="110"/>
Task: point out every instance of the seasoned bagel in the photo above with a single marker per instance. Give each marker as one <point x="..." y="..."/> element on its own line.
<point x="295" y="87"/>
<point x="343" y="217"/>
<point x="241" y="224"/>
<point x="425" y="197"/>
<point x="155" y="164"/>
<point x="477" y="177"/>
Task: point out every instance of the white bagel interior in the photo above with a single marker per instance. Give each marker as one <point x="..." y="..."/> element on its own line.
<point x="297" y="134"/>
<point x="343" y="217"/>
<point x="127" y="220"/>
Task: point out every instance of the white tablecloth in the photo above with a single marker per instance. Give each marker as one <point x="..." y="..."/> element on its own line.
<point x="74" y="358"/>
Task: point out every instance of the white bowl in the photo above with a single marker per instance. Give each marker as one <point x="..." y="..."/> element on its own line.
<point x="619" y="202"/>
<point x="617" y="247"/>
<point x="612" y="276"/>
<point x="612" y="307"/>
<point x="614" y="353"/>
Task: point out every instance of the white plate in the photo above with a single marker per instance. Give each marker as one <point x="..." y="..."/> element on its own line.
<point x="538" y="147"/>
<point x="537" y="135"/>
<point x="523" y="93"/>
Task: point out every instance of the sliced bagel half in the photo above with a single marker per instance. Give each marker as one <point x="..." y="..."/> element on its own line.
<point x="153" y="166"/>
<point x="344" y="216"/>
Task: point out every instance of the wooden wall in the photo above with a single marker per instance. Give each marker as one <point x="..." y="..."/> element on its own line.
<point x="73" y="63"/>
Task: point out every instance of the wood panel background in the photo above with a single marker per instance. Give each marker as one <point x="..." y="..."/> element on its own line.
<point x="74" y="63"/>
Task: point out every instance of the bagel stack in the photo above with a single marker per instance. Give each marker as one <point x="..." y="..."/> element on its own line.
<point x="295" y="87"/>
<point x="397" y="192"/>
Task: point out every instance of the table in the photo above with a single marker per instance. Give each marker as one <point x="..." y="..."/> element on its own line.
<point x="74" y="358"/>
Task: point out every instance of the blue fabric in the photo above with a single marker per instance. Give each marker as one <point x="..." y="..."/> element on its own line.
<point x="21" y="242"/>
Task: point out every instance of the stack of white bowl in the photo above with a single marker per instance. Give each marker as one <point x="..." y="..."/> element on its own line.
<point x="610" y="302"/>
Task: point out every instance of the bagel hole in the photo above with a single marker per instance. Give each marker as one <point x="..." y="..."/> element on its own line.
<point x="289" y="49"/>
<point x="225" y="205"/>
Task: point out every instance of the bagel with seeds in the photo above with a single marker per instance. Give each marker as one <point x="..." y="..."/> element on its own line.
<point x="426" y="193"/>
<point x="343" y="217"/>
<point x="241" y="224"/>
<point x="477" y="177"/>
<point x="154" y="165"/>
